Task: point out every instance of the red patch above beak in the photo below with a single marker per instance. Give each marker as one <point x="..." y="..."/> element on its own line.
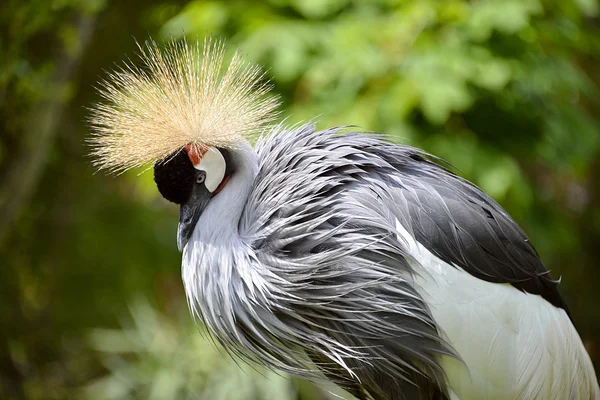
<point x="195" y="153"/>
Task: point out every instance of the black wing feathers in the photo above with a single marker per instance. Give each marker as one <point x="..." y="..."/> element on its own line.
<point x="460" y="224"/>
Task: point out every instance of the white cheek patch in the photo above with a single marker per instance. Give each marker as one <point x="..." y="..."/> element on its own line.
<point x="213" y="164"/>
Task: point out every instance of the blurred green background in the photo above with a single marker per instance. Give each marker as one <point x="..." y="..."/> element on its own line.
<point x="92" y="302"/>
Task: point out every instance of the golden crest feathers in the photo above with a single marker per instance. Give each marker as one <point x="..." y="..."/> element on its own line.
<point x="182" y="94"/>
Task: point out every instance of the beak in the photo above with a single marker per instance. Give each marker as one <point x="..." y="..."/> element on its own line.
<point x="189" y="213"/>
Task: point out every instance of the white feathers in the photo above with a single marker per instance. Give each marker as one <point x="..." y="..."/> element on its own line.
<point x="213" y="163"/>
<point x="514" y="345"/>
<point x="181" y="95"/>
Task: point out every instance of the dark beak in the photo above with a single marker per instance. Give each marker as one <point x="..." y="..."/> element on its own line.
<point x="189" y="213"/>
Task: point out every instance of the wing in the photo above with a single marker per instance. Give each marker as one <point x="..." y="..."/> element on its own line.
<point x="448" y="215"/>
<point x="312" y="222"/>
<point x="463" y="226"/>
<point x="323" y="217"/>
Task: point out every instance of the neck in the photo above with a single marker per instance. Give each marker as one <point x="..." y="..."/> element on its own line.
<point x="216" y="262"/>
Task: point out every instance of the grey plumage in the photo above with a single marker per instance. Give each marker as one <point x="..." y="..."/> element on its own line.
<point x="312" y="272"/>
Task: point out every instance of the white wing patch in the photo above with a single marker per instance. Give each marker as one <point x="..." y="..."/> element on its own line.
<point x="514" y="345"/>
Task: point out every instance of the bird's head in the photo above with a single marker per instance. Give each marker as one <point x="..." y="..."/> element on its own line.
<point x="191" y="179"/>
<point x="183" y="111"/>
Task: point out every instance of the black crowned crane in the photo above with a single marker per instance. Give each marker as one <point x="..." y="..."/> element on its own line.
<point x="337" y="254"/>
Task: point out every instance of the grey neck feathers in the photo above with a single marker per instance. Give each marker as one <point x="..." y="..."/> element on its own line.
<point x="218" y="271"/>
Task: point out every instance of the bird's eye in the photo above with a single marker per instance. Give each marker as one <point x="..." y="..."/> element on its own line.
<point x="212" y="165"/>
<point x="201" y="177"/>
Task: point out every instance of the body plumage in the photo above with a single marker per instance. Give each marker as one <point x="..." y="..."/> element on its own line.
<point x="316" y="268"/>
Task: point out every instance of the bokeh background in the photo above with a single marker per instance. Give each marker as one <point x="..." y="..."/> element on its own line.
<point x="91" y="300"/>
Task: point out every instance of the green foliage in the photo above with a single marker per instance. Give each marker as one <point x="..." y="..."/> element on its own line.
<point x="505" y="90"/>
<point x="151" y="358"/>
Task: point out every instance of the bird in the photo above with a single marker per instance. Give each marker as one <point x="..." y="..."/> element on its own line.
<point x="336" y="254"/>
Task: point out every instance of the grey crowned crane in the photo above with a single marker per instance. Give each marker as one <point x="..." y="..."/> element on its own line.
<point x="336" y="254"/>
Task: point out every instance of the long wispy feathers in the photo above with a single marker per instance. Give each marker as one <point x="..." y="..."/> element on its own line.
<point x="182" y="94"/>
